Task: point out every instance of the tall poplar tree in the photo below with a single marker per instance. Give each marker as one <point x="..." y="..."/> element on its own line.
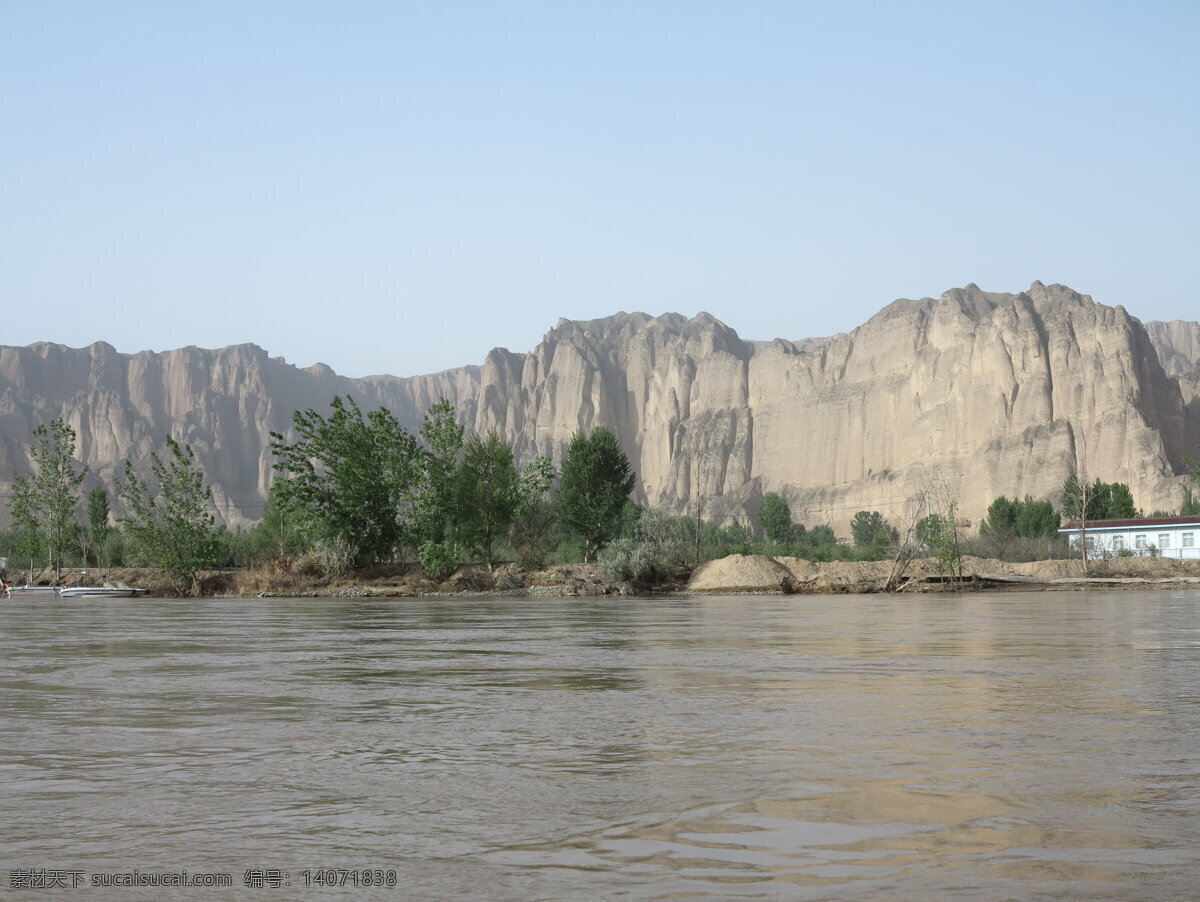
<point x="492" y="492"/>
<point x="43" y="504"/>
<point x="171" y="523"/>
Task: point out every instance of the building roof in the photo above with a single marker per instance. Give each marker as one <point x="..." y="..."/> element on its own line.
<point x="1134" y="523"/>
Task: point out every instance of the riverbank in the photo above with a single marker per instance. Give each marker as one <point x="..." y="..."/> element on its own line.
<point x="760" y="573"/>
<point x="736" y="574"/>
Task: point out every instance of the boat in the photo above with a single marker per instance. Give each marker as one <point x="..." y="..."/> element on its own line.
<point x="105" y="591"/>
<point x="32" y="591"/>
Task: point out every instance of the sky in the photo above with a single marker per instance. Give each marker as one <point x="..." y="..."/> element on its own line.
<point x="400" y="187"/>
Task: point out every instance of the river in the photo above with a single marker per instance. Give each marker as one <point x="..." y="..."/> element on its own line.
<point x="1024" y="745"/>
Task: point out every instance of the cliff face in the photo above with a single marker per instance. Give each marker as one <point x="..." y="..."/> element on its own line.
<point x="1177" y="344"/>
<point x="986" y="393"/>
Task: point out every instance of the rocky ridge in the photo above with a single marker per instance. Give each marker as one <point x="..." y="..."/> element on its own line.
<point x="981" y="393"/>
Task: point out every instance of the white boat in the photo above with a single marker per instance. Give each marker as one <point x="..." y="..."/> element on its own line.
<point x="32" y="591"/>
<point x="121" y="591"/>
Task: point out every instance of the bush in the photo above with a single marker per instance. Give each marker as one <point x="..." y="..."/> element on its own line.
<point x="657" y="546"/>
<point x="335" y="555"/>
<point x="1015" y="549"/>
<point x="439" y="559"/>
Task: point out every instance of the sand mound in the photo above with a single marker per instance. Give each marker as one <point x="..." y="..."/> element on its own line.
<point x="761" y="573"/>
<point x="742" y="573"/>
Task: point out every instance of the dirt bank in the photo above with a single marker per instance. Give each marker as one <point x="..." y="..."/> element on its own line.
<point x="738" y="573"/>
<point x="394" y="580"/>
<point x="759" y="573"/>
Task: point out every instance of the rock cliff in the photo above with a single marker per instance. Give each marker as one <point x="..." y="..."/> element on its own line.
<point x="1177" y="344"/>
<point x="983" y="392"/>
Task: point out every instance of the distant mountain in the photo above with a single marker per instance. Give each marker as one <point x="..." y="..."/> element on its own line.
<point x="988" y="393"/>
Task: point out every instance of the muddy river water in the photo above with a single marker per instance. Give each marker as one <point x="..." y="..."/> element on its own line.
<point x="1011" y="746"/>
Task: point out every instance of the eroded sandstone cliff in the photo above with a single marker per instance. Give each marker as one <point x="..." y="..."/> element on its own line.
<point x="1177" y="343"/>
<point x="983" y="392"/>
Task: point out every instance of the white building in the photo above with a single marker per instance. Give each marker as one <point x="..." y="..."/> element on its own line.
<point x="1167" y="536"/>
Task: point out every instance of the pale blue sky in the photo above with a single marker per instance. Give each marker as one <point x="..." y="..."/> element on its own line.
<point x="399" y="187"/>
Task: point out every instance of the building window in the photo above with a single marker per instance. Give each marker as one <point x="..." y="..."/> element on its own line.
<point x="1090" y="543"/>
<point x="1189" y="540"/>
<point x="1164" y="540"/>
<point x="1139" y="542"/>
<point x="1118" y="543"/>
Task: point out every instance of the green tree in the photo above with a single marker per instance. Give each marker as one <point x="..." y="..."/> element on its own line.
<point x="870" y="530"/>
<point x="1001" y="517"/>
<point x="492" y="492"/>
<point x="276" y="534"/>
<point x="530" y="533"/>
<point x="926" y="529"/>
<point x="43" y="505"/>
<point x="172" y="526"/>
<point x="99" y="527"/>
<point x="1007" y="520"/>
<point x="275" y="537"/>
<point x="775" y="517"/>
<point x="821" y="537"/>
<point x="351" y="481"/>
<point x="1120" y="502"/>
<point x="1104" y="500"/>
<point x="596" y="482"/>
<point x="942" y="537"/>
<point x="440" y="527"/>
<point x="1037" y="519"/>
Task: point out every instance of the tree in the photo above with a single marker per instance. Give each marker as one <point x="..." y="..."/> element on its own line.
<point x="492" y="492"/>
<point x="1076" y="504"/>
<point x="596" y="482"/>
<point x="870" y="530"/>
<point x="273" y="538"/>
<point x="277" y="529"/>
<point x="1081" y="498"/>
<point x="1120" y="502"/>
<point x="926" y="529"/>
<point x="439" y="526"/>
<point x="531" y="533"/>
<point x="1105" y="500"/>
<point x="43" y="505"/>
<point x="350" y="481"/>
<point x="98" y="525"/>
<point x="1008" y="522"/>
<point x="944" y="543"/>
<point x="820" y="537"/>
<point x="1037" y="519"/>
<point x="172" y="526"/>
<point x="1001" y="517"/>
<point x="775" y="517"/>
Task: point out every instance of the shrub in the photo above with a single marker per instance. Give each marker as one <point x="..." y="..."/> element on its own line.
<point x="335" y="555"/>
<point x="439" y="559"/>
<point x="658" y="545"/>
